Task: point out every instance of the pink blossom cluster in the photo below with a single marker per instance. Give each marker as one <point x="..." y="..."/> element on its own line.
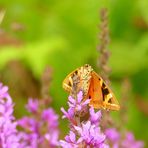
<point x="39" y="129"/>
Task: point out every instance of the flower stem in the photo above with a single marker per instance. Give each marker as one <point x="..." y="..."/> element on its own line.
<point x="103" y="47"/>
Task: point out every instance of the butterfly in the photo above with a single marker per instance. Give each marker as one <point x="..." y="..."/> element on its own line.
<point x="85" y="79"/>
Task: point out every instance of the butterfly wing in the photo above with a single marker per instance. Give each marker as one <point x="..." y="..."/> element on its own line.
<point x="95" y="92"/>
<point x="68" y="81"/>
<point x="101" y="95"/>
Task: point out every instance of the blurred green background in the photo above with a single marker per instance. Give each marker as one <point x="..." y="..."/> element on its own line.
<point x="63" y="35"/>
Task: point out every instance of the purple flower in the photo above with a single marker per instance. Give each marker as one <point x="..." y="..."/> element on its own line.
<point x="69" y="115"/>
<point x="29" y="140"/>
<point x="71" y="138"/>
<point x="32" y="105"/>
<point x="95" y="117"/>
<point x="29" y="124"/>
<point x="49" y="116"/>
<point x="76" y="107"/>
<point x="78" y="104"/>
<point x="51" y="120"/>
<point x="40" y="128"/>
<point x="65" y="144"/>
<point x="83" y="132"/>
<point x="70" y="141"/>
<point x="112" y="134"/>
<point x="125" y="141"/>
<point x="130" y="142"/>
<point x="113" y="137"/>
<point x="91" y="135"/>
<point x="8" y="132"/>
<point x="52" y="138"/>
<point x="3" y="92"/>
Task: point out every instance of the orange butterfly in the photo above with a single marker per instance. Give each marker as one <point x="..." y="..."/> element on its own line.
<point x="85" y="79"/>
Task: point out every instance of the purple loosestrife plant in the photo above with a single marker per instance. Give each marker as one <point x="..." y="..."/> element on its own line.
<point x="83" y="133"/>
<point x="86" y="132"/>
<point x="40" y="128"/>
<point x="129" y="141"/>
<point x="125" y="140"/>
<point x="8" y="133"/>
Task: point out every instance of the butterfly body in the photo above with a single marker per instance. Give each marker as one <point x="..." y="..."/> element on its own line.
<point x="85" y="79"/>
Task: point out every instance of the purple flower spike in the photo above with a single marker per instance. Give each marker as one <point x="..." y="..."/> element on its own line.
<point x="82" y="133"/>
<point x="76" y="106"/>
<point x="8" y="132"/>
<point x="40" y="128"/>
<point x="32" y="105"/>
<point x="130" y="142"/>
<point x="85" y="128"/>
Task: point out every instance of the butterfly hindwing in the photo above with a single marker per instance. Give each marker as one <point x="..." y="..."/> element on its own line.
<point x="101" y="94"/>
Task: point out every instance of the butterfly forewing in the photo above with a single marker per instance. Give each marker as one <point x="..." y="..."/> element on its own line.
<point x="102" y="96"/>
<point x="68" y="82"/>
<point x="95" y="92"/>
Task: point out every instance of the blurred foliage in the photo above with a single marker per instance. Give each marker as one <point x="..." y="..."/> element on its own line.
<point x="64" y="35"/>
